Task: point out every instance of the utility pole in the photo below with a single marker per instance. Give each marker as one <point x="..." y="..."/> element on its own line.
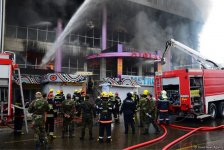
<point x="2" y="24"/>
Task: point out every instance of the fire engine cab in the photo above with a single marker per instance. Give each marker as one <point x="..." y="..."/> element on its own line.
<point x="198" y="92"/>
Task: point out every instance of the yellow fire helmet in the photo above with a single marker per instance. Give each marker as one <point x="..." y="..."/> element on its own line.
<point x="51" y="90"/>
<point x="58" y="92"/>
<point x="104" y="94"/>
<point x="111" y="94"/>
<point x="145" y="92"/>
<point x="76" y="91"/>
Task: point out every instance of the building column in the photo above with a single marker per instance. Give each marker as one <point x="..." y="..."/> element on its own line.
<point x="57" y="61"/>
<point x="140" y="68"/>
<point x="104" y="43"/>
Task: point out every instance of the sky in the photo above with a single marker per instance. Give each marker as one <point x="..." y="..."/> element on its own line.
<point x="212" y="35"/>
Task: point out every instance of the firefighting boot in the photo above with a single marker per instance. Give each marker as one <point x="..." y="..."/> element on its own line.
<point x="108" y="140"/>
<point x="100" y="140"/>
<point x="51" y="135"/>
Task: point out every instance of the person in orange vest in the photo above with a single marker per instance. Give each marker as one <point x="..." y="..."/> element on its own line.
<point x="163" y="107"/>
<point x="105" y="109"/>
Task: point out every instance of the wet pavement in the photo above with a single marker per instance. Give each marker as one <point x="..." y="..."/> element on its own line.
<point x="199" y="140"/>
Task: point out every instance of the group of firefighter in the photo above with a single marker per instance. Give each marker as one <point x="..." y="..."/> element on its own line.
<point x="47" y="107"/>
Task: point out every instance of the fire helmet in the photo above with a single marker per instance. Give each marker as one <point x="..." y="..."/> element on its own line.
<point x="145" y="92"/>
<point x="163" y="94"/>
<point x="111" y="94"/>
<point x="51" y="90"/>
<point x="58" y="92"/>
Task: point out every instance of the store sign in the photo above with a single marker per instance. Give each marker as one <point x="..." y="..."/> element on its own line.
<point x="141" y="80"/>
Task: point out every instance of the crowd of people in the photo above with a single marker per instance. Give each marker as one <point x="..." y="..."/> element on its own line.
<point x="138" y="110"/>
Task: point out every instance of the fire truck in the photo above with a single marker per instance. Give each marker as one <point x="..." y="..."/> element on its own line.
<point x="8" y="68"/>
<point x="193" y="92"/>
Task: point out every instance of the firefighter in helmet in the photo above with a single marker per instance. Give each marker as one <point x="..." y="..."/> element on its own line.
<point x="51" y="114"/>
<point x="112" y="100"/>
<point x="58" y="100"/>
<point x="105" y="109"/>
<point x="163" y="107"/>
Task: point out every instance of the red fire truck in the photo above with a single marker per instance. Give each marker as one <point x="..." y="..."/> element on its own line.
<point x="197" y="92"/>
<point x="7" y="70"/>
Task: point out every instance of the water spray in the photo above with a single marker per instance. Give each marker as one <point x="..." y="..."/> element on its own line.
<point x="72" y="25"/>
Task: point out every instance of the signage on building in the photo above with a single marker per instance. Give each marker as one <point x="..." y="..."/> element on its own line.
<point x="84" y="73"/>
<point x="141" y="80"/>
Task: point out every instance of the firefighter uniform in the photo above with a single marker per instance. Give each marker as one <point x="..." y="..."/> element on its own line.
<point x="135" y="97"/>
<point x="58" y="100"/>
<point x="163" y="107"/>
<point x="105" y="109"/>
<point x="51" y="114"/>
<point x="128" y="109"/>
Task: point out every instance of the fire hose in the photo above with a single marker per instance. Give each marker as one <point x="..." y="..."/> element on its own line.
<point x="192" y="130"/>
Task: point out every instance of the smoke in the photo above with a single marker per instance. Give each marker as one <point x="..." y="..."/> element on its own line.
<point x="212" y="35"/>
<point x="28" y="12"/>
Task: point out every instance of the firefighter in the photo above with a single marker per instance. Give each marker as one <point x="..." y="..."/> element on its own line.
<point x="51" y="114"/>
<point x="68" y="112"/>
<point x="117" y="106"/>
<point x="18" y="117"/>
<point x="151" y="114"/>
<point x="62" y="96"/>
<point x="104" y="110"/>
<point x="135" y="97"/>
<point x="58" y="101"/>
<point x="128" y="109"/>
<point x="39" y="107"/>
<point x="143" y="104"/>
<point x="163" y="108"/>
<point x="87" y="113"/>
<point x="74" y="95"/>
<point x="78" y="100"/>
<point x="51" y="91"/>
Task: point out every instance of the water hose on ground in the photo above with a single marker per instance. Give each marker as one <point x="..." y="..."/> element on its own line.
<point x="148" y="142"/>
<point x="192" y="130"/>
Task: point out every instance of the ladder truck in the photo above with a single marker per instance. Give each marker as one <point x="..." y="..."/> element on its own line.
<point x="193" y="92"/>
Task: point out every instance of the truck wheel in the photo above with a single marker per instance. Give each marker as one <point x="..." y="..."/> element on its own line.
<point x="212" y="110"/>
<point x="221" y="109"/>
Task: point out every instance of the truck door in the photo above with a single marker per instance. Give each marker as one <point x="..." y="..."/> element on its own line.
<point x="196" y="91"/>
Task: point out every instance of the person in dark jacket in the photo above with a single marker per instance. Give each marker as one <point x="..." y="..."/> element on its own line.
<point x="128" y="109"/>
<point x="87" y="113"/>
<point x="18" y="116"/>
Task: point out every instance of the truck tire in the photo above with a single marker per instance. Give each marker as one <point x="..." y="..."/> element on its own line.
<point x="221" y="109"/>
<point x="212" y="110"/>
